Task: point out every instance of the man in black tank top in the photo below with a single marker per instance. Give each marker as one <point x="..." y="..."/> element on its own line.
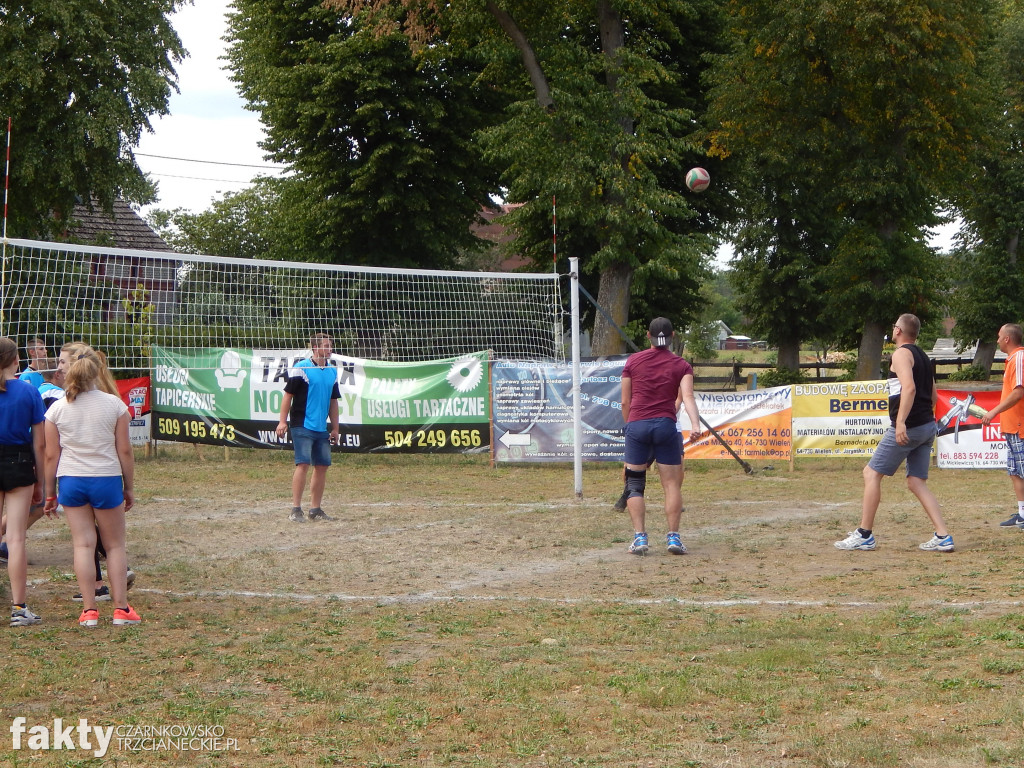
<point x="912" y="399"/>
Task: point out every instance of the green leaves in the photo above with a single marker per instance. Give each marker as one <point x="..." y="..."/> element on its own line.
<point x="855" y="121"/>
<point x="387" y="171"/>
<point x="80" y="82"/>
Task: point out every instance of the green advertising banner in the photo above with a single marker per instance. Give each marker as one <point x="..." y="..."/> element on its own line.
<point x="233" y="397"/>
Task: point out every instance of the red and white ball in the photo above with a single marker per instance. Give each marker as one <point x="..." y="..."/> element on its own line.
<point x="697" y="179"/>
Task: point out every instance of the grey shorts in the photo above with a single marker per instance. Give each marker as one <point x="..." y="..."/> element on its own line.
<point x="918" y="452"/>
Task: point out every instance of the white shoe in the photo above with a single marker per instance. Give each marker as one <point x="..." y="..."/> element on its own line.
<point x="854" y="540"/>
<point x="936" y="544"/>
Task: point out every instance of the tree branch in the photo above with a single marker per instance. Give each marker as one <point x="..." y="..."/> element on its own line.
<point x="533" y="68"/>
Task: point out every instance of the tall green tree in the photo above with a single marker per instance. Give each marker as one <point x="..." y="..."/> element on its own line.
<point x="79" y="82"/>
<point x="605" y="100"/>
<point x="866" y="111"/>
<point x="256" y="223"/>
<point x="782" y="247"/>
<point x="990" y="285"/>
<point x="381" y="142"/>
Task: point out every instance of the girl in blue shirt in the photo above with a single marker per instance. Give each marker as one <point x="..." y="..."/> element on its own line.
<point x="21" y="475"/>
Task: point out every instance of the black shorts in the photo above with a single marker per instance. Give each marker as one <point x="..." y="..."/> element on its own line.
<point x="17" y="467"/>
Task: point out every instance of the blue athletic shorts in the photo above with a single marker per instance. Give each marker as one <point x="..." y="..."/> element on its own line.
<point x="1014" y="454"/>
<point x="311" y="447"/>
<point x="95" y="492"/>
<point x="653" y="438"/>
<point x="918" y="452"/>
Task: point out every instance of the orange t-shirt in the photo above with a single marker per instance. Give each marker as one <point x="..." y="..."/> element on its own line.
<point x="1011" y="421"/>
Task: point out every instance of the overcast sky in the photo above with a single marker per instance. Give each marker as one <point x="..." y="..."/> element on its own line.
<point x="210" y="134"/>
<point x="208" y="130"/>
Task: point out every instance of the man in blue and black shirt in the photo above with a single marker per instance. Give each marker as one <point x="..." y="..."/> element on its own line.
<point x="310" y="403"/>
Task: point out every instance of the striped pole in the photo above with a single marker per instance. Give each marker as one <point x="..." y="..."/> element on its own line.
<point x="7" y="176"/>
<point x="3" y="256"/>
<point x="554" y="235"/>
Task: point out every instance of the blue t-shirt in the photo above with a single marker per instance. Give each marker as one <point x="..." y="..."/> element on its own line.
<point x="50" y="393"/>
<point x="21" y="408"/>
<point x="312" y="388"/>
<point x="35" y="378"/>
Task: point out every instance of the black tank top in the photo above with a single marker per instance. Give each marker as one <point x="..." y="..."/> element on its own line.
<point x="922" y="411"/>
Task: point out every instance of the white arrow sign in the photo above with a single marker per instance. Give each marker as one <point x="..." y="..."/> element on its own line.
<point x="512" y="438"/>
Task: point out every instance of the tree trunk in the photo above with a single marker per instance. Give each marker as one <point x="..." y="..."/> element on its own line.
<point x="984" y="355"/>
<point x="613" y="38"/>
<point x="616" y="279"/>
<point x="538" y="79"/>
<point x="789" y="355"/>
<point x="869" y="356"/>
<point x="613" y="295"/>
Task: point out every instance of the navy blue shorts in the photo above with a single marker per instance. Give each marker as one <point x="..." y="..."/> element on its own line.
<point x="95" y="492"/>
<point x="311" y="447"/>
<point x="653" y="438"/>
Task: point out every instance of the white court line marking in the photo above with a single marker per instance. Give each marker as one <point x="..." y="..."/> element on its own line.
<point x="430" y="597"/>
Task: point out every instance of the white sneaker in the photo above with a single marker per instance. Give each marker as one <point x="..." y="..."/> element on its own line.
<point x="854" y="540"/>
<point x="23" y="617"/>
<point x="936" y="544"/>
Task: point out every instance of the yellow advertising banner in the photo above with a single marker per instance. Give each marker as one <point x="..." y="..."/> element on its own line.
<point x="844" y="418"/>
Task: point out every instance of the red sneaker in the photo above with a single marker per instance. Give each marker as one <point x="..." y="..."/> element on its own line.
<point x="89" y="618"/>
<point x="126" y="616"/>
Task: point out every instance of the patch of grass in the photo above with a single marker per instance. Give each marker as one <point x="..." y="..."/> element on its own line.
<point x="462" y="615"/>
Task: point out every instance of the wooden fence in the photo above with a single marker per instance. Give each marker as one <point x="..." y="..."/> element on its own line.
<point x="738" y="373"/>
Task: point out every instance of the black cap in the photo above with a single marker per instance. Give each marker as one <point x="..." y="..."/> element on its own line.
<point x="661" y="331"/>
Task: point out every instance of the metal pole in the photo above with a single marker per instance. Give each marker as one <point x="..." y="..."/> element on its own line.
<point x="577" y="401"/>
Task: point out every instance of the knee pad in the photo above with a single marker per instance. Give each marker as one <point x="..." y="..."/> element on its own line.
<point x="636" y="482"/>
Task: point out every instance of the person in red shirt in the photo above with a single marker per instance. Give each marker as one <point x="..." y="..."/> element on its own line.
<point x="653" y="382"/>
<point x="1011" y="406"/>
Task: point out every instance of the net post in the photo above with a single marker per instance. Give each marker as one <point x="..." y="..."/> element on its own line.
<point x="577" y="403"/>
<point x="490" y="398"/>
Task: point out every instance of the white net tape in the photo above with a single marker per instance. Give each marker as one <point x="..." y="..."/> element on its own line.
<point x="123" y="301"/>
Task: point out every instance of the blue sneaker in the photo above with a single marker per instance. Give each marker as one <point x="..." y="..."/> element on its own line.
<point x="1013" y="521"/>
<point x="675" y="544"/>
<point x="3" y="551"/>
<point x="639" y="545"/>
<point x="854" y="540"/>
<point x="936" y="544"/>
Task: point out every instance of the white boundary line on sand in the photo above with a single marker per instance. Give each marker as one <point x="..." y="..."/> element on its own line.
<point x="430" y="597"/>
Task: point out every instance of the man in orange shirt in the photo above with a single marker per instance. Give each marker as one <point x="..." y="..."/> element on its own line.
<point x="1011" y="406"/>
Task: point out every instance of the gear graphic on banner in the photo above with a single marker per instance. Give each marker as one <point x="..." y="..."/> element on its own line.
<point x="465" y="374"/>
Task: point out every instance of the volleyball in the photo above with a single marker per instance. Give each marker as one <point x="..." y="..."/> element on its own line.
<point x="697" y="179"/>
